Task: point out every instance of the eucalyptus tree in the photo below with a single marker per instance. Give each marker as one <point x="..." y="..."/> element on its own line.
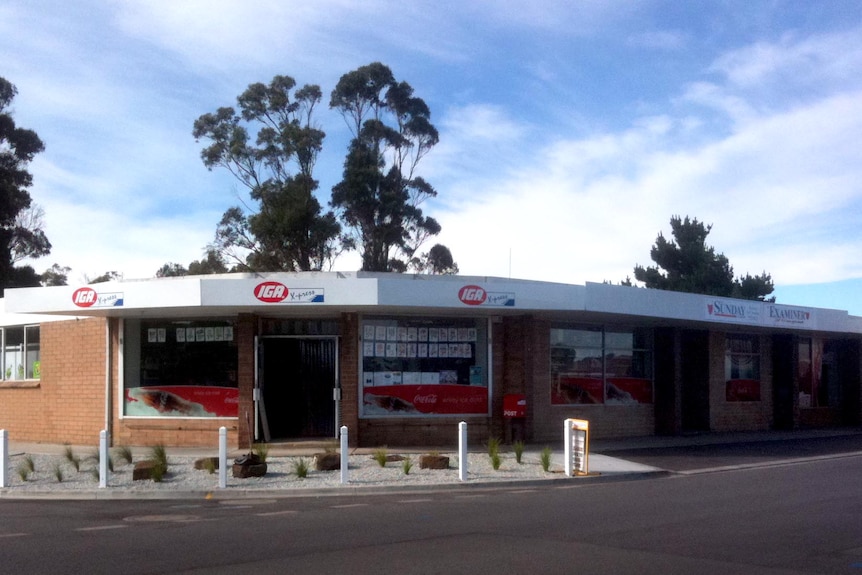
<point x="285" y="228"/>
<point x="380" y="194"/>
<point x="21" y="233"/>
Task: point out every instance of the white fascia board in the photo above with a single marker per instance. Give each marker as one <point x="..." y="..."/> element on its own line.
<point x="479" y="293"/>
<point x="626" y="300"/>
<point x="105" y="297"/>
<point x="273" y="290"/>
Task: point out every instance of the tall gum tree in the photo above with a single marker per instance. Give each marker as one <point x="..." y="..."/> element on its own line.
<point x="380" y="194"/>
<point x="287" y="230"/>
<point x="21" y="234"/>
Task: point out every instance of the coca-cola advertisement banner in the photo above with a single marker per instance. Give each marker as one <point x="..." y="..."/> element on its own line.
<point x="443" y="399"/>
<point x="182" y="401"/>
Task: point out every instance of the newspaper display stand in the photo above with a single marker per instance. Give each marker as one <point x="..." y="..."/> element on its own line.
<point x="577" y="446"/>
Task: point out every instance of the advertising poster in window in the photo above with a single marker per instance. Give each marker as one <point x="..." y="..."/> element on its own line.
<point x="180" y="369"/>
<point x="417" y="368"/>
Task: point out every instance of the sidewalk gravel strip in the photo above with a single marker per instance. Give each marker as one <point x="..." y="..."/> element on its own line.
<point x="366" y="476"/>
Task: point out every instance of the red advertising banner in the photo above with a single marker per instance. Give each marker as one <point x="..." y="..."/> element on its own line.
<point x="574" y="389"/>
<point x="182" y="401"/>
<point x="742" y="390"/>
<point x="425" y="399"/>
<point x="629" y="390"/>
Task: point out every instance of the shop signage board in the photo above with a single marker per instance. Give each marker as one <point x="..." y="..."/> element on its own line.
<point x="577" y="446"/>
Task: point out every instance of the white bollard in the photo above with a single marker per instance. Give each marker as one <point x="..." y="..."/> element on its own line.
<point x="462" y="451"/>
<point x="222" y="457"/>
<point x="567" y="446"/>
<point x="4" y="456"/>
<point x="344" y="455"/>
<point x="103" y="459"/>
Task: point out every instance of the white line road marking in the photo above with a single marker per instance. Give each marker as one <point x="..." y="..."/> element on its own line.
<point x="276" y="513"/>
<point x="350" y="505"/>
<point x="102" y="528"/>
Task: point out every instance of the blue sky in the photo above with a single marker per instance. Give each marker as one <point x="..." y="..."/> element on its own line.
<point x="570" y="133"/>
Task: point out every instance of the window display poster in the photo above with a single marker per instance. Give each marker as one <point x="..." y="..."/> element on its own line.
<point x="422" y="367"/>
<point x="440" y="399"/>
<point x="182" y="401"/>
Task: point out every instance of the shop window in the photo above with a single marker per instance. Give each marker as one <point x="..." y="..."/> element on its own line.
<point x="180" y="368"/>
<point x="419" y="367"/>
<point x="817" y="372"/>
<point x="742" y="367"/>
<point x="595" y="366"/>
<point x="21" y="353"/>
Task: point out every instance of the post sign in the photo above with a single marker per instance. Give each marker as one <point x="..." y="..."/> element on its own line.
<point x="514" y="405"/>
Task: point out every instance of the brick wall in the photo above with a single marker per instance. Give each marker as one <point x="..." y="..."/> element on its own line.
<point x="68" y="404"/>
<point x="738" y="415"/>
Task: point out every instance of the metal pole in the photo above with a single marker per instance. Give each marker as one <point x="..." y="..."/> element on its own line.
<point x="103" y="458"/>
<point x="222" y="457"/>
<point x="4" y="456"/>
<point x="567" y="446"/>
<point x="462" y="451"/>
<point x="344" y="455"/>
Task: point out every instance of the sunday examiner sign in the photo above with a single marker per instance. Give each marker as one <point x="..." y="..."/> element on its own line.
<point x="757" y="313"/>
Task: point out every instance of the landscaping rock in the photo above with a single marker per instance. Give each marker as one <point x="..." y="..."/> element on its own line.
<point x="249" y="466"/>
<point x="205" y="462"/>
<point x="144" y="469"/>
<point x="327" y="461"/>
<point x="433" y="462"/>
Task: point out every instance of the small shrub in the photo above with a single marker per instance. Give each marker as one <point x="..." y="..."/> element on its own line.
<point x="157" y="473"/>
<point x="495" y="461"/>
<point x="300" y="468"/>
<point x="58" y="472"/>
<point x="124" y="453"/>
<point x="381" y="456"/>
<point x="160" y="456"/>
<point x="262" y="451"/>
<point x="518" y="448"/>
<point x="29" y="464"/>
<point x="72" y="458"/>
<point x="210" y="465"/>
<point x="24" y="471"/>
<point x="493" y="446"/>
<point x="407" y="465"/>
<point x="546" y="459"/>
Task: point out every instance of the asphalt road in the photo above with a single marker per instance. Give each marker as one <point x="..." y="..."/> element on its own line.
<point x="793" y="518"/>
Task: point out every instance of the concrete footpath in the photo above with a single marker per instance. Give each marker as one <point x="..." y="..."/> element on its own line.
<point x="609" y="460"/>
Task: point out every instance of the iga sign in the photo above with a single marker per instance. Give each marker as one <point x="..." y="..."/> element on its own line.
<point x="277" y="292"/>
<point x="476" y="295"/>
<point x="88" y="297"/>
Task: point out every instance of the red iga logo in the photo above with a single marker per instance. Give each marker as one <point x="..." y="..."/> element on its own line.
<point x="472" y="295"/>
<point x="84" y="297"/>
<point x="271" y="292"/>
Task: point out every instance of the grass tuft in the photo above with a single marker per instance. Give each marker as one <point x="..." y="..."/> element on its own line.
<point x="518" y="448"/>
<point x="300" y="468"/>
<point x="380" y="456"/>
<point x="545" y="458"/>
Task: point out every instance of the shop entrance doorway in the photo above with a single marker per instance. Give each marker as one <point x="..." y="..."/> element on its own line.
<point x="296" y="387"/>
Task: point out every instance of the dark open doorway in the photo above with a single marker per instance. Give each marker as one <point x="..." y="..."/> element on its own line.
<point x="297" y="378"/>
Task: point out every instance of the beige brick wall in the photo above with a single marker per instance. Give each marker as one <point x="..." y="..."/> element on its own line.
<point x="68" y="404"/>
<point x="738" y="415"/>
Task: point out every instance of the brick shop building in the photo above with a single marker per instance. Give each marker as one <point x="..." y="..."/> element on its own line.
<point x="401" y="359"/>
